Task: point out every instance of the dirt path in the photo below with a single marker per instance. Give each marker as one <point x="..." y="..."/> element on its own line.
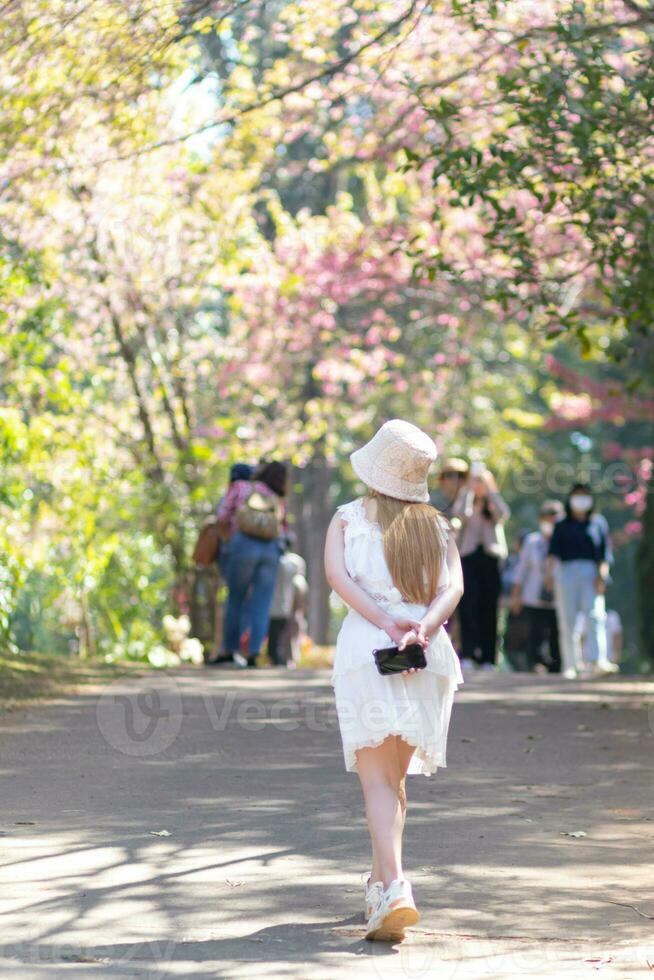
<point x="265" y="847"/>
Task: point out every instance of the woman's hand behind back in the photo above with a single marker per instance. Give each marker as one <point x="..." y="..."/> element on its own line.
<point x="401" y="629"/>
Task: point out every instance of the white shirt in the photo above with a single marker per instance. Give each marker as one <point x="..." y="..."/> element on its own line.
<point x="290" y="565"/>
<point x="530" y="570"/>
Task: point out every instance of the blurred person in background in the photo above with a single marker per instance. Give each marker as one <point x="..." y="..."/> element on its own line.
<point x="482" y="512"/>
<point x="530" y="594"/>
<point x="259" y="511"/>
<point x="451" y="479"/>
<point x="613" y="636"/>
<point x="611" y="626"/>
<point x="510" y="566"/>
<point x="291" y="575"/>
<point x="239" y="473"/>
<point x="577" y="569"/>
<point x="513" y="622"/>
<point x="297" y="627"/>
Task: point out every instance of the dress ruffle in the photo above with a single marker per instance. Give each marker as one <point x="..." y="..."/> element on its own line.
<point x="370" y="707"/>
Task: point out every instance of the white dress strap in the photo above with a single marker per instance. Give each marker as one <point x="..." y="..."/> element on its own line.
<point x="349" y="512"/>
<point x="444" y="526"/>
<point x="354" y="515"/>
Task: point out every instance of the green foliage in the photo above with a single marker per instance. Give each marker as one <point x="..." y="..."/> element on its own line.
<point x="186" y="281"/>
<point x="569" y="129"/>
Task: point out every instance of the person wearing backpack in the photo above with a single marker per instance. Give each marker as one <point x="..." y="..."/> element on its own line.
<point x="239" y="487"/>
<point x="258" y="512"/>
<point x="214" y="543"/>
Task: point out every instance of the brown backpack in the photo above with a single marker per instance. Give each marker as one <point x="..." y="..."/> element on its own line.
<point x="207" y="545"/>
<point x="260" y="516"/>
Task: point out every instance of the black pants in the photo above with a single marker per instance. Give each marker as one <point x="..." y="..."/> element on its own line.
<point x="543" y="628"/>
<point x="275" y="630"/>
<point x="478" y="606"/>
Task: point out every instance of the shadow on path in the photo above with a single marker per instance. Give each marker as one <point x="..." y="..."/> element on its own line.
<point x="266" y="844"/>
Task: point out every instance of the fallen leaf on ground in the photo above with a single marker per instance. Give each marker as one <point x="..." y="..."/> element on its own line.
<point x="598" y="962"/>
<point x="159" y="833"/>
<point x="468" y="739"/>
<point x="25" y="823"/>
<point x="233" y="884"/>
<point x="573" y="833"/>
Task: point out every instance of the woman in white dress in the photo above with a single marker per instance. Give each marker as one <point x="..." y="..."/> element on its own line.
<point x="390" y="557"/>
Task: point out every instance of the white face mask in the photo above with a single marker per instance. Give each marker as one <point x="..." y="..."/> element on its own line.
<point x="546" y="528"/>
<point x="581" y="502"/>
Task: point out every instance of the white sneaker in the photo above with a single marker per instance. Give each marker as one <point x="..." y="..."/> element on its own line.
<point x="569" y="674"/>
<point x="240" y="660"/>
<point x="373" y="892"/>
<point x="395" y="911"/>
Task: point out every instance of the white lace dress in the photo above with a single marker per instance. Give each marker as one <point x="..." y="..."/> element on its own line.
<point x="371" y="706"/>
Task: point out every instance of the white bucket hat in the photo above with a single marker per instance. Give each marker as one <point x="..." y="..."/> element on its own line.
<point x="396" y="461"/>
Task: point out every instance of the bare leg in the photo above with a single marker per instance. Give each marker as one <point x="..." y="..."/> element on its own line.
<point x="382" y="771"/>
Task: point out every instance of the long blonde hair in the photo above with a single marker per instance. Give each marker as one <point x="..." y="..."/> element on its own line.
<point x="414" y="545"/>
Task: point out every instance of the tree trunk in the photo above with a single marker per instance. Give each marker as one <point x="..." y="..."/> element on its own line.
<point x="311" y="506"/>
<point x="87" y="647"/>
<point x="645" y="576"/>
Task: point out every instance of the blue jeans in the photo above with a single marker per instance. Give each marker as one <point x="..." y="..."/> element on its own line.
<point x="223" y="557"/>
<point x="575" y="593"/>
<point x="251" y="573"/>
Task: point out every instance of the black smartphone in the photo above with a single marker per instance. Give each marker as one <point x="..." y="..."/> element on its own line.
<point x="392" y="660"/>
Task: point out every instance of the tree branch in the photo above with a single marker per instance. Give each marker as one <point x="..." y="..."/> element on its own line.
<point x="275" y="96"/>
<point x="178" y="380"/>
<point x="129" y="359"/>
<point x="155" y="362"/>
